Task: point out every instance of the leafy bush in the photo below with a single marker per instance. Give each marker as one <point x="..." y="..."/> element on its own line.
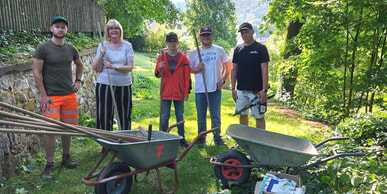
<point x="138" y="42"/>
<point x="16" y="46"/>
<point x="344" y="174"/>
<point x="367" y="129"/>
<point x="82" y="41"/>
<point x="87" y="121"/>
<point x="225" y="44"/>
<point x="11" y="37"/>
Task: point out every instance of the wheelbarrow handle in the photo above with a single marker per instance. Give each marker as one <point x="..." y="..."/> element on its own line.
<point x="204" y="133"/>
<point x="174" y="125"/>
<point x="324" y="160"/>
<point x="149" y="132"/>
<point x="194" y="142"/>
<point x="330" y="139"/>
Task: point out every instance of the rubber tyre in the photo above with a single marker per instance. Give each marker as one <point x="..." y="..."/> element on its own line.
<point x="226" y="173"/>
<point x="116" y="186"/>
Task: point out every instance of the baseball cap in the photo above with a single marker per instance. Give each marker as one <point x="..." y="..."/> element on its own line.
<point x="59" y="18"/>
<point x="171" y="36"/>
<point x="245" y="26"/>
<point x="205" y="30"/>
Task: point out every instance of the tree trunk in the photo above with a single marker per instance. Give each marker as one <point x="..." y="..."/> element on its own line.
<point x="289" y="77"/>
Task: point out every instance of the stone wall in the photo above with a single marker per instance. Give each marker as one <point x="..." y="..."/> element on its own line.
<point x="17" y="87"/>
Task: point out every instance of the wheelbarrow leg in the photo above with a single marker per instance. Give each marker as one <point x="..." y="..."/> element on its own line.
<point x="108" y="165"/>
<point x="92" y="173"/>
<point x="174" y="167"/>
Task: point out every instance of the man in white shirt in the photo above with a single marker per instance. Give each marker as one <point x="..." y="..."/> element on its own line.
<point x="209" y="80"/>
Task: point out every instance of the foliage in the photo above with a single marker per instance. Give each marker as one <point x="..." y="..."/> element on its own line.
<point x="19" y="46"/>
<point x="367" y="129"/>
<point x="82" y="41"/>
<point x="252" y="11"/>
<point x="133" y="14"/>
<point x="338" y="176"/>
<point x="340" y="68"/>
<point x="9" y="37"/>
<point x="87" y="121"/>
<point x="218" y="14"/>
<point x="344" y="174"/>
<point x="138" y="42"/>
<point x="225" y="44"/>
<point x="155" y="39"/>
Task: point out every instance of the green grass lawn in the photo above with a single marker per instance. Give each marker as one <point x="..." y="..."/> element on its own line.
<point x="196" y="174"/>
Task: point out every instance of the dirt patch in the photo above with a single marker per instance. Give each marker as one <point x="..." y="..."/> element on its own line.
<point x="293" y="114"/>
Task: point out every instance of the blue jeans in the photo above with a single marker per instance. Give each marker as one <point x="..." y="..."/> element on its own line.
<point x="179" y="113"/>
<point x="201" y="110"/>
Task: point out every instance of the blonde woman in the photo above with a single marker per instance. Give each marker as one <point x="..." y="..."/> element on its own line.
<point x="114" y="59"/>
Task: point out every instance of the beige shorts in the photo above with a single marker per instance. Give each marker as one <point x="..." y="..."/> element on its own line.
<point x="244" y="99"/>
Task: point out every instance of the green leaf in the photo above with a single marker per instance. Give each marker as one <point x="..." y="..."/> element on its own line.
<point x="326" y="179"/>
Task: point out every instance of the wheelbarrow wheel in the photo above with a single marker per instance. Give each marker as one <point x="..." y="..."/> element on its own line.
<point x="227" y="173"/>
<point x="116" y="186"/>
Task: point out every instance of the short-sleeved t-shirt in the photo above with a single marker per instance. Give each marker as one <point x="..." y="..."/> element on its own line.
<point x="57" y="71"/>
<point x="249" y="59"/>
<point x="118" y="57"/>
<point x="213" y="59"/>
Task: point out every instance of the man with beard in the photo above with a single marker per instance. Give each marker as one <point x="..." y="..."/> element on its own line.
<point x="53" y="78"/>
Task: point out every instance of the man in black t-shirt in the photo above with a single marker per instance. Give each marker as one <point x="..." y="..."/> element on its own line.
<point x="250" y="75"/>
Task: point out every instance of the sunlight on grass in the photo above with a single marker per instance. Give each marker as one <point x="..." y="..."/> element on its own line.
<point x="196" y="175"/>
<point x="148" y="111"/>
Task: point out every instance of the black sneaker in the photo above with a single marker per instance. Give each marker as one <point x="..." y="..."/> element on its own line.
<point x="220" y="142"/>
<point x="68" y="162"/>
<point x="200" y="142"/>
<point x="184" y="143"/>
<point x="47" y="173"/>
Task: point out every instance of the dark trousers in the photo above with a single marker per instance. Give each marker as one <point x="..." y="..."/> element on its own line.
<point x="105" y="106"/>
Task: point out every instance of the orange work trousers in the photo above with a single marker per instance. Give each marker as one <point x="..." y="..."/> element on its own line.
<point x="64" y="109"/>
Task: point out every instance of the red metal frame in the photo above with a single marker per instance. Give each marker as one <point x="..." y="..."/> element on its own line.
<point x="171" y="164"/>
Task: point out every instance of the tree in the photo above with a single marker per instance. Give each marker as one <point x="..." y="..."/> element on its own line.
<point x="291" y="23"/>
<point x="133" y="14"/>
<point x="218" y="14"/>
<point x="341" y="69"/>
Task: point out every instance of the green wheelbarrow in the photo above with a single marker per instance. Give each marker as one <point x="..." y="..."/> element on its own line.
<point x="160" y="150"/>
<point x="266" y="150"/>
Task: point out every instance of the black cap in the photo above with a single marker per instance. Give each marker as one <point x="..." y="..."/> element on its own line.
<point x="205" y="30"/>
<point x="59" y="18"/>
<point x="245" y="26"/>
<point x="171" y="37"/>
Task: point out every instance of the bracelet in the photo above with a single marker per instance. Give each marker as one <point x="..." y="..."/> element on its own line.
<point x="77" y="80"/>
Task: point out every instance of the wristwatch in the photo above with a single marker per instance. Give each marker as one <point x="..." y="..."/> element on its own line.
<point x="264" y="90"/>
<point x="222" y="81"/>
<point x="117" y="67"/>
